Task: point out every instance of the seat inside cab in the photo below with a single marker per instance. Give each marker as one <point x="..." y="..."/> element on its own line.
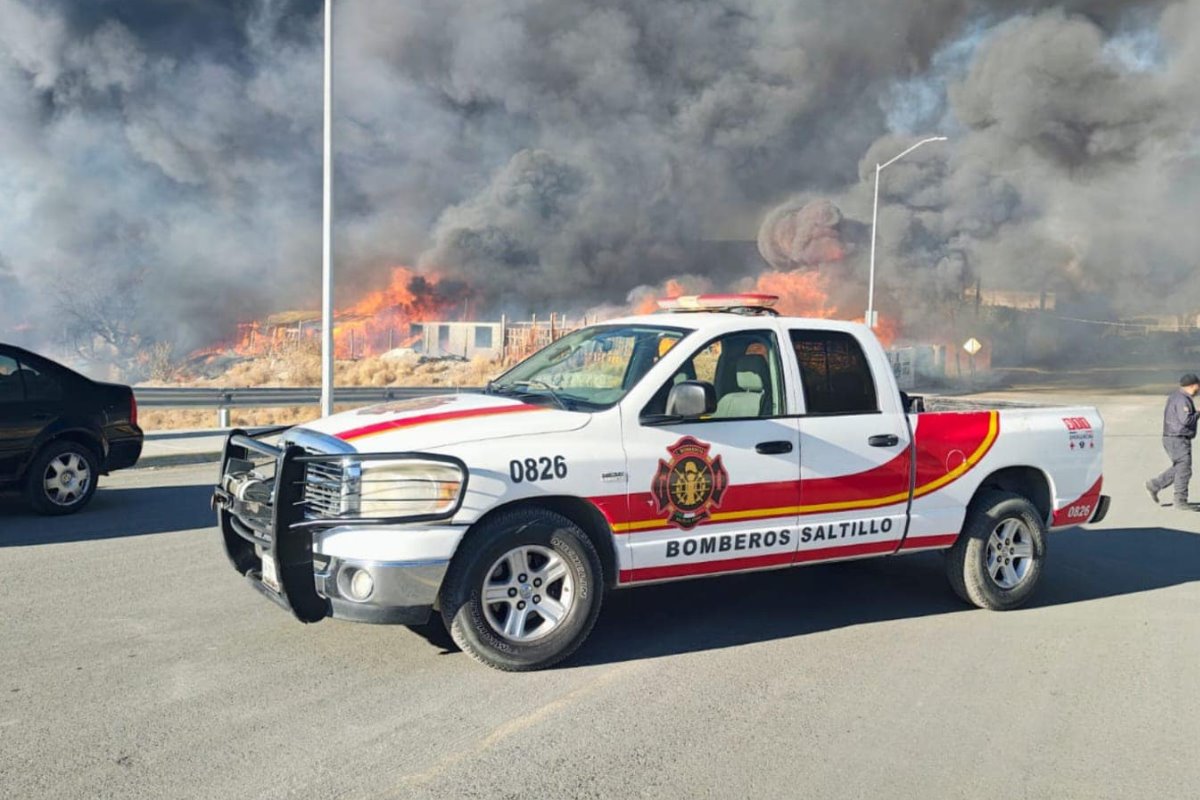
<point x="747" y="397"/>
<point x="744" y="371"/>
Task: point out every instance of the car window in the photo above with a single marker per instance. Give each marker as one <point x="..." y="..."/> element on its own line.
<point x="40" y="384"/>
<point x="744" y="370"/>
<point x="593" y="366"/>
<point x="834" y="373"/>
<point x="11" y="388"/>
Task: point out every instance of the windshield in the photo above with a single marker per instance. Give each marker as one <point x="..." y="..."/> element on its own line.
<point x="592" y="368"/>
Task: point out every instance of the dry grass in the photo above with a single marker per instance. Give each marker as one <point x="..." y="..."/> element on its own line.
<point x="299" y="364"/>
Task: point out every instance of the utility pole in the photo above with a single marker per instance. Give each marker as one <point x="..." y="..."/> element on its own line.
<point x="327" y="353"/>
<point x="872" y="319"/>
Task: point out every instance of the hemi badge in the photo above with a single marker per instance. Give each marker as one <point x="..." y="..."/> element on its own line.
<point x="609" y="477"/>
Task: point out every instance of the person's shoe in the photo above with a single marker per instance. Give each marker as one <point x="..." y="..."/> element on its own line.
<point x="1153" y="494"/>
<point x="1186" y="506"/>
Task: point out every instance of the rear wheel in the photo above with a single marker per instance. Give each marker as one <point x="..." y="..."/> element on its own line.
<point x="998" y="559"/>
<point x="523" y="591"/>
<point x="62" y="478"/>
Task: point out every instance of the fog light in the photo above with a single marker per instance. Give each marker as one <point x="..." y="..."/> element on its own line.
<point x="357" y="584"/>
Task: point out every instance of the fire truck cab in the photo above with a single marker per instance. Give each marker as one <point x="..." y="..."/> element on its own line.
<point x="711" y="438"/>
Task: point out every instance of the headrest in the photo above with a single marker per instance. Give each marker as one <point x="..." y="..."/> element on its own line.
<point x="751" y="373"/>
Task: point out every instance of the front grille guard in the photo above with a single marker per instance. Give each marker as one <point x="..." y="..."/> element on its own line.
<point x="277" y="523"/>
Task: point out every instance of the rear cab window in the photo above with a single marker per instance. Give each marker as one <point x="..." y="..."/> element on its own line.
<point x="835" y="375"/>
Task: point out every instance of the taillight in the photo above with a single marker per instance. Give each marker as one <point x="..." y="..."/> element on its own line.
<point x="132" y="409"/>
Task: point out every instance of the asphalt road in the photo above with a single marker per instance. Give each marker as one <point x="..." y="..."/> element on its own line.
<point x="135" y="663"/>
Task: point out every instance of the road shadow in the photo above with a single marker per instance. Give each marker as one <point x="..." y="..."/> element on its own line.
<point x="716" y="613"/>
<point x="112" y="514"/>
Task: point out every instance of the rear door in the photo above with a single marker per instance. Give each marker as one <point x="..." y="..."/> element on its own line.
<point x="855" y="453"/>
<point x="717" y="494"/>
<point x="18" y="428"/>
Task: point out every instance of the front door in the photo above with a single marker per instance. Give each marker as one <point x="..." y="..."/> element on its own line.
<point x="718" y="494"/>
<point x="855" y="454"/>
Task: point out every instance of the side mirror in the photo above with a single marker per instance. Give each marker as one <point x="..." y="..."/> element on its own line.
<point x="691" y="400"/>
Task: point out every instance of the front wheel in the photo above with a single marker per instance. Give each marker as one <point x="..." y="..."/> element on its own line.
<point x="998" y="558"/>
<point x="523" y="591"/>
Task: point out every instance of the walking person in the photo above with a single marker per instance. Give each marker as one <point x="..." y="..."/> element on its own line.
<point x="1179" y="430"/>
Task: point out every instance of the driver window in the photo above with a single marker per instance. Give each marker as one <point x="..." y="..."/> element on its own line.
<point x="744" y="370"/>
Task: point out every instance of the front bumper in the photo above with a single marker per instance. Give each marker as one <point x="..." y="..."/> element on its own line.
<point x="266" y="523"/>
<point x="402" y="592"/>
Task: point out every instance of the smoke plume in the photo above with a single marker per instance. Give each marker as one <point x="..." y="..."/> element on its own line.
<point x="160" y="161"/>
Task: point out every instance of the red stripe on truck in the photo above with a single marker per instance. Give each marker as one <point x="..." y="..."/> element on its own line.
<point x="757" y="562"/>
<point x="1081" y="510"/>
<point x="425" y="419"/>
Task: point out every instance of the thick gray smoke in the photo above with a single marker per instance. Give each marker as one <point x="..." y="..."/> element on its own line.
<point x="160" y="161"/>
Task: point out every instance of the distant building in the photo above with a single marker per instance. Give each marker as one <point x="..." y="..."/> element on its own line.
<point x="1011" y="298"/>
<point x="506" y="340"/>
<point x="465" y="339"/>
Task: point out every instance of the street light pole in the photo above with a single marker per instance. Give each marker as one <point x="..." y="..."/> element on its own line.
<point x="327" y="226"/>
<point x="872" y="318"/>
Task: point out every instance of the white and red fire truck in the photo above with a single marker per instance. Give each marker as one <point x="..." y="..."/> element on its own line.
<point x="712" y="438"/>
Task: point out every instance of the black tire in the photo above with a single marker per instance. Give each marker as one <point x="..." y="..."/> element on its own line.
<point x="967" y="561"/>
<point x="461" y="596"/>
<point x="48" y="503"/>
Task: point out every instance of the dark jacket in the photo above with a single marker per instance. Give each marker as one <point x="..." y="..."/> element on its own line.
<point x="1179" y="419"/>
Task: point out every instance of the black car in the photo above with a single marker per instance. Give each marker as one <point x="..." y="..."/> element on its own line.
<point x="60" y="431"/>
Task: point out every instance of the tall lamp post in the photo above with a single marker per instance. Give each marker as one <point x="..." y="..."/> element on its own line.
<point x="327" y="226"/>
<point x="872" y="317"/>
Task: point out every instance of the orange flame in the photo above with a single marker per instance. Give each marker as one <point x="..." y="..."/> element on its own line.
<point x="802" y="293"/>
<point x="383" y="319"/>
<point x="649" y="303"/>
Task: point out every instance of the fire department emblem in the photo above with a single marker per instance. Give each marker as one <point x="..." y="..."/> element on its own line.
<point x="690" y="484"/>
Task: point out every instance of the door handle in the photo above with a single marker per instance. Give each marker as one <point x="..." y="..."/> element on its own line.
<point x="773" y="448"/>
<point x="884" y="440"/>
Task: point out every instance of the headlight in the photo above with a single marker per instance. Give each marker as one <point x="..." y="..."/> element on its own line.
<point x="407" y="488"/>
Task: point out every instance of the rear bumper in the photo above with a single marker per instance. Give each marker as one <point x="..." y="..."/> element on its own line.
<point x="123" y="453"/>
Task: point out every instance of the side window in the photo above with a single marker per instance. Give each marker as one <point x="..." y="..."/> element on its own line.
<point x="11" y="388"/>
<point x="834" y="373"/>
<point x="742" y="367"/>
<point x="40" y="385"/>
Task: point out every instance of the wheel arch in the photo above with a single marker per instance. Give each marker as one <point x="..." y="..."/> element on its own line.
<point x="1031" y="483"/>
<point x="582" y="513"/>
<point x="82" y="436"/>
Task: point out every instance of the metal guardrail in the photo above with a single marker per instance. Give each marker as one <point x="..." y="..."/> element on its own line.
<point x="275" y="397"/>
<point x="170" y="397"/>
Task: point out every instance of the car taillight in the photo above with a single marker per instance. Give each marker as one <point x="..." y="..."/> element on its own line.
<point x="132" y="409"/>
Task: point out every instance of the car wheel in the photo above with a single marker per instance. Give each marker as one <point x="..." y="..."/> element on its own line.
<point x="523" y="591"/>
<point x="62" y="478"/>
<point x="998" y="559"/>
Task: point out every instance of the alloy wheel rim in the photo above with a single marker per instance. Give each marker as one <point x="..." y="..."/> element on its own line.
<point x="67" y="479"/>
<point x="528" y="593"/>
<point x="1010" y="553"/>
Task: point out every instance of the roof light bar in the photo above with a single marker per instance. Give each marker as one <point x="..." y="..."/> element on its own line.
<point x="739" y="303"/>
